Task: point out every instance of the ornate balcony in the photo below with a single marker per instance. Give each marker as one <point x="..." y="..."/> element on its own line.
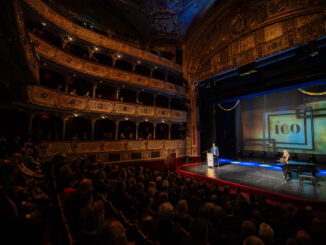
<point x="55" y="99"/>
<point x="97" y="39"/>
<point x="58" y="56"/>
<point x="115" y="151"/>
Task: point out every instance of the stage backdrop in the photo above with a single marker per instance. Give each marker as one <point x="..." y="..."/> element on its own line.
<point x="285" y="120"/>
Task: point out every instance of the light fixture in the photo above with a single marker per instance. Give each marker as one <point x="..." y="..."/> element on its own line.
<point x="69" y="38"/>
<point x="146" y="120"/>
<point x="43" y="23"/>
<point x="95" y="48"/>
<point x="119" y="55"/>
<point x="126" y="118"/>
<point x="138" y="62"/>
<point x="163" y="121"/>
<point x="103" y="116"/>
<point x="155" y="67"/>
<point x="74" y="75"/>
<point x="75" y="114"/>
<point x="101" y="81"/>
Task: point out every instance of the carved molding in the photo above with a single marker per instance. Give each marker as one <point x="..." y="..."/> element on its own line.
<point x="62" y="58"/>
<point x="99" y="40"/>
<point x="125" y="147"/>
<point x="50" y="98"/>
<point x="30" y="56"/>
<point x="256" y="29"/>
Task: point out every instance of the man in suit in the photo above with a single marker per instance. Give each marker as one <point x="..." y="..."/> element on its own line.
<point x="215" y="152"/>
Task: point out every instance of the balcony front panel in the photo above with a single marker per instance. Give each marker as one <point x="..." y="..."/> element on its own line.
<point x="62" y="58"/>
<point x="95" y="38"/>
<point x="56" y="99"/>
<point x="125" y="148"/>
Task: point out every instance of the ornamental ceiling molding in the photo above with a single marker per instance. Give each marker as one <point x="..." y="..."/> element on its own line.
<point x="95" y="38"/>
<point x="225" y="34"/>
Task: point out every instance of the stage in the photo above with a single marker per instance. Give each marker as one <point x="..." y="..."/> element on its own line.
<point x="266" y="178"/>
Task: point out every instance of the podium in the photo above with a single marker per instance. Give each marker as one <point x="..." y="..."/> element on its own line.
<point x="210" y="160"/>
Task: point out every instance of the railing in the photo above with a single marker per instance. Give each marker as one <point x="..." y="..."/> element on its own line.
<point x="122" y="150"/>
<point x="98" y="39"/>
<point x="60" y="57"/>
<point x="56" y="99"/>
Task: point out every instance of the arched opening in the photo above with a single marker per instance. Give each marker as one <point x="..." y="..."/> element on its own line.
<point x="13" y="125"/>
<point x="146" y="98"/>
<point x="102" y="59"/>
<point x="44" y="34"/>
<point x="162" y="101"/>
<point x="5" y="95"/>
<point x="145" y="131"/>
<point x="104" y="129"/>
<point x="158" y="75"/>
<point x="142" y="70"/>
<point x="79" y="87"/>
<point x="178" y="131"/>
<point x="123" y="65"/>
<point x="46" y="127"/>
<point x="162" y="131"/>
<point x="106" y="92"/>
<point x="52" y="79"/>
<point x="127" y="95"/>
<point x="76" y="50"/>
<point x="78" y="128"/>
<point x="127" y="130"/>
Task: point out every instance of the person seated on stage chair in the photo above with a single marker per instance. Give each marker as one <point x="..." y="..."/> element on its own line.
<point x="215" y="152"/>
<point x="285" y="158"/>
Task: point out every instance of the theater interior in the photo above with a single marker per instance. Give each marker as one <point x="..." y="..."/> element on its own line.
<point x="109" y="110"/>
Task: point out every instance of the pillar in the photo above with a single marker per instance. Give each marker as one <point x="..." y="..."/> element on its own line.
<point x="154" y="131"/>
<point x="137" y="125"/>
<point x="64" y="128"/>
<point x="94" y="89"/>
<point x="165" y="76"/>
<point x="154" y="102"/>
<point x="93" y="129"/>
<point x="169" y="106"/>
<point x="117" y="93"/>
<point x="169" y="131"/>
<point x="116" y="129"/>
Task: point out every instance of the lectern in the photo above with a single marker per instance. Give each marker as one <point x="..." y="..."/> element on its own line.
<point x="210" y="160"/>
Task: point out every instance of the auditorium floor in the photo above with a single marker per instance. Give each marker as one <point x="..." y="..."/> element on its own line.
<point x="263" y="178"/>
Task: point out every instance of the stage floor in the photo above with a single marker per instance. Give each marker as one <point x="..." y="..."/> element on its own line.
<point x="263" y="177"/>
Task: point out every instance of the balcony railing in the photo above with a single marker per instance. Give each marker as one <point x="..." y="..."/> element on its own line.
<point x="121" y="149"/>
<point x="97" y="39"/>
<point x="62" y="58"/>
<point x="55" y="99"/>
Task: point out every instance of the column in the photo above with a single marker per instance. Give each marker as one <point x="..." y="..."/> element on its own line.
<point x="133" y="67"/>
<point x="169" y="103"/>
<point x="165" y="76"/>
<point x="64" y="128"/>
<point x="169" y="131"/>
<point x="117" y="93"/>
<point x="137" y="97"/>
<point x="154" y="102"/>
<point x="116" y="129"/>
<point x="137" y="125"/>
<point x="151" y="72"/>
<point x="93" y="129"/>
<point x="154" y="131"/>
<point x="114" y="60"/>
<point x="94" y="89"/>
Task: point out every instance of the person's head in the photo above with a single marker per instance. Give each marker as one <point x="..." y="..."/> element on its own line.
<point x="213" y="144"/>
<point x="303" y="237"/>
<point x="199" y="231"/>
<point x="117" y="233"/>
<point x="248" y="228"/>
<point x="285" y="152"/>
<point x="166" y="211"/>
<point x="86" y="186"/>
<point x="182" y="207"/>
<point x="266" y="233"/>
<point x="87" y="93"/>
<point x="253" y="240"/>
<point x="163" y="197"/>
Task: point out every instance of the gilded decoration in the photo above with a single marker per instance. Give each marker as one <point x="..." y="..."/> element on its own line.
<point x="60" y="57"/>
<point x="98" y="39"/>
<point x="120" y="147"/>
<point x="55" y="99"/>
<point x="228" y="39"/>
